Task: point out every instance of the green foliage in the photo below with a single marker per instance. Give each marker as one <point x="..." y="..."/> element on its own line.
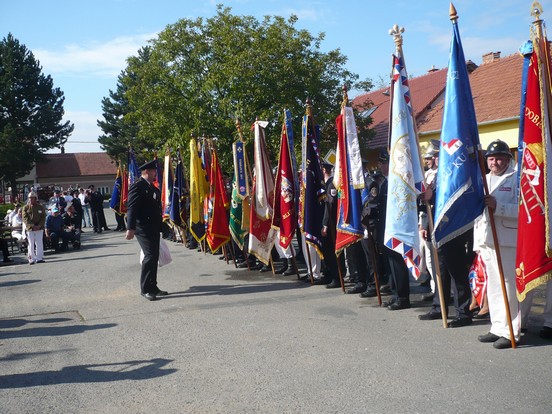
<point x="31" y="111"/>
<point x="201" y="75"/>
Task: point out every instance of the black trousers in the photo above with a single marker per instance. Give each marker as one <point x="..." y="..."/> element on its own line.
<point x="149" y="243"/>
<point x="455" y="258"/>
<point x="330" y="259"/>
<point x="400" y="282"/>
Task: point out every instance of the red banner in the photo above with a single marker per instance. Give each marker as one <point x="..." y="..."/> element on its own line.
<point x="533" y="266"/>
<point x="284" y="217"/>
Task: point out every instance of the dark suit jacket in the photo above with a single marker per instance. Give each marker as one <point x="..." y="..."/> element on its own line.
<point x="144" y="208"/>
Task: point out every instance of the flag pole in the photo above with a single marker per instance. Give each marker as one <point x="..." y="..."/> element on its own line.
<point x="396" y="32"/>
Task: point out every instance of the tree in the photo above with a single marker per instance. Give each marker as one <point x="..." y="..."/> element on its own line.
<point x="31" y="111"/>
<point x="203" y="74"/>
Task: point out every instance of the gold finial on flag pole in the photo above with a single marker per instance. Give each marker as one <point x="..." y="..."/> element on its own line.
<point x="452" y="12"/>
<point x="345" y="97"/>
<point x="308" y="104"/>
<point x="397" y="32"/>
<point x="536" y="10"/>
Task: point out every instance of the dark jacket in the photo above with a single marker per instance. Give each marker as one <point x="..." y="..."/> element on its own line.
<point x="144" y="208"/>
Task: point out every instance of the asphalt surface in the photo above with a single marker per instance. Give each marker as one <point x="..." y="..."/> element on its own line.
<point x="77" y="337"/>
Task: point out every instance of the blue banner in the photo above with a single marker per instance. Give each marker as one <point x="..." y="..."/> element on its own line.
<point x="459" y="192"/>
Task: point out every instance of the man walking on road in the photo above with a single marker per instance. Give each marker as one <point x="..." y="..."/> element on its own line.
<point x="144" y="220"/>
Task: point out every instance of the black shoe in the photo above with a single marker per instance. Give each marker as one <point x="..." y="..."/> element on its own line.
<point x="265" y="269"/>
<point x="358" y="288"/>
<point x="480" y="315"/>
<point x="427" y="297"/>
<point x="76" y="245"/>
<point x="502" y="343"/>
<point x="430" y="316"/>
<point x="290" y="271"/>
<point x="282" y="269"/>
<point x="8" y="260"/>
<point x="162" y="293"/>
<point x="459" y="322"/>
<point x="41" y="261"/>
<point x="488" y="337"/>
<point x="389" y="302"/>
<point x="107" y="228"/>
<point x="385" y="290"/>
<point x="369" y="293"/>
<point x="334" y="284"/>
<point x="321" y="281"/>
<point x="242" y="265"/>
<point x="546" y="332"/>
<point x="149" y="296"/>
<point x="399" y="304"/>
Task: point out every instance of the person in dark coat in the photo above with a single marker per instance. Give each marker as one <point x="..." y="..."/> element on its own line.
<point x="144" y="221"/>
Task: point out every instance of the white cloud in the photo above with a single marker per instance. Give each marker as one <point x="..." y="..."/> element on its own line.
<point x="93" y="59"/>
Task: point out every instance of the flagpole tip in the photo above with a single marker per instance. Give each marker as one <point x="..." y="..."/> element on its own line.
<point x="452" y="13"/>
<point x="536" y="10"/>
<point x="396" y="31"/>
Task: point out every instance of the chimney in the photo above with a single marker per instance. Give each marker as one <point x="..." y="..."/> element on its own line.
<point x="490" y="57"/>
<point x="470" y="66"/>
<point x="432" y="69"/>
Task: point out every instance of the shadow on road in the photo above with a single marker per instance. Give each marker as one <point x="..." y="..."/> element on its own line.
<point x="53" y="331"/>
<point x="209" y="290"/>
<point x="118" y="371"/>
<point x="19" y="282"/>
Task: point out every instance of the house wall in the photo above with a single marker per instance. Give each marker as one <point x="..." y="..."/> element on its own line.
<point x="506" y="131"/>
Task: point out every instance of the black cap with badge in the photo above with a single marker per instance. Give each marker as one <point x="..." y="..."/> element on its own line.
<point x="151" y="165"/>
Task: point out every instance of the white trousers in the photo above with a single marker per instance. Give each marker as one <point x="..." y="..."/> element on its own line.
<point x="547" y="312"/>
<point x="499" y="320"/>
<point x="35" y="242"/>
<point x="314" y="261"/>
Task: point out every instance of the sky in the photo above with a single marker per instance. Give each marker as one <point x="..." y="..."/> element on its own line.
<point x="84" y="45"/>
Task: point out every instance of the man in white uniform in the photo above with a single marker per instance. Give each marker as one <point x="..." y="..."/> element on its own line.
<point x="503" y="201"/>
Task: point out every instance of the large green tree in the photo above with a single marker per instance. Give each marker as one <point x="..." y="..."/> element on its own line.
<point x="31" y="111"/>
<point x="203" y="74"/>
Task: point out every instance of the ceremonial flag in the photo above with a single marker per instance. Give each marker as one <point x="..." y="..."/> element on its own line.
<point x="284" y="216"/>
<point x="167" y="183"/>
<point x="158" y="182"/>
<point x="236" y="211"/>
<point x="128" y="179"/>
<point x="218" y="232"/>
<point x="177" y="212"/>
<point x="405" y="174"/>
<point x="459" y="195"/>
<point x="198" y="191"/>
<point x="348" y="181"/>
<point x="261" y="233"/>
<point x="533" y="264"/>
<point x="115" y="201"/>
<point x="313" y="190"/>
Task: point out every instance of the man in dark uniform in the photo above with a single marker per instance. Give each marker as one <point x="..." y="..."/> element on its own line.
<point x="399" y="274"/>
<point x="328" y="229"/>
<point x="144" y="220"/>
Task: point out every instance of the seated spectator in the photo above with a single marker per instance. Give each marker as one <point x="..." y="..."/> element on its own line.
<point x="17" y="228"/>
<point x="54" y="230"/>
<point x="71" y="224"/>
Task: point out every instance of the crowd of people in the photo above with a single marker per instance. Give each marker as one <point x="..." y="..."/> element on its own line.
<point x="362" y="262"/>
<point x="56" y="223"/>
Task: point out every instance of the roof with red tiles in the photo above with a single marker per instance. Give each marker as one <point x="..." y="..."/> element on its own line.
<point x="75" y="165"/>
<point x="496" y="91"/>
<point x="424" y="90"/>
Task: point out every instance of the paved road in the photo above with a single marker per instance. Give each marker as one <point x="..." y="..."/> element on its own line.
<point x="76" y="337"/>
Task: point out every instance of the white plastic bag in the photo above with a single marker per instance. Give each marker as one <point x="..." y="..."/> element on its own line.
<point x="164" y="254"/>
